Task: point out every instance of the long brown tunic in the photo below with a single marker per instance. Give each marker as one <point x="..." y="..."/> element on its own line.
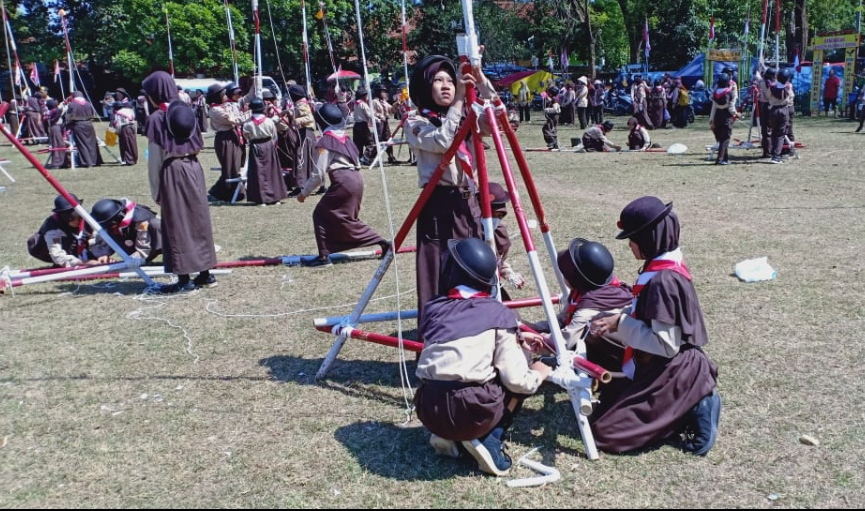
<point x="264" y="183"/>
<point x="336" y="216"/>
<point x="78" y="120"/>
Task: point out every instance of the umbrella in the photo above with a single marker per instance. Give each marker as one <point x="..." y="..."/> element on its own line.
<point x="342" y="74"/>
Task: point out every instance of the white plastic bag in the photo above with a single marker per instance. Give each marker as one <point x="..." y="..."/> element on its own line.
<point x="755" y="270"/>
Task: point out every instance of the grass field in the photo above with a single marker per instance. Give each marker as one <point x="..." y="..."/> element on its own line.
<point x="112" y="398"/>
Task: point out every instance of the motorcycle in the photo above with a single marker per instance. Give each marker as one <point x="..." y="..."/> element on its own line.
<point x="618" y="102"/>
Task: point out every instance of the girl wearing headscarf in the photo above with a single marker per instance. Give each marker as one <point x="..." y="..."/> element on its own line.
<point x="124" y="124"/>
<point x="264" y="178"/>
<point x="79" y="120"/>
<point x="452" y="211"/>
<point x="672" y="395"/>
<point x="178" y="185"/>
<point x="56" y="139"/>
<point x="226" y="120"/>
<point x="336" y="216"/>
<point x="722" y="117"/>
<point x="305" y="124"/>
<point x="364" y="124"/>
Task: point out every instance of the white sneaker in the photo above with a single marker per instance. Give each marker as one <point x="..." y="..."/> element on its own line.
<point x="444" y="447"/>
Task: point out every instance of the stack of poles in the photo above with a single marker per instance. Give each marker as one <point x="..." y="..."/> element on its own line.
<point x="80" y="273"/>
<point x="755" y="94"/>
<point x="305" y="51"/>
<point x="129" y="261"/>
<point x="580" y="383"/>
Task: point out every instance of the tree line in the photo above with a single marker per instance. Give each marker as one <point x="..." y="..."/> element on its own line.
<point x="129" y="37"/>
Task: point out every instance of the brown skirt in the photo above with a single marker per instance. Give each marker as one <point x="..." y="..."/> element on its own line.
<point x="460" y="411"/>
<point x="336" y="216"/>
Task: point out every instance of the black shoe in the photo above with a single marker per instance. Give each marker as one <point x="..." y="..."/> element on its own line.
<point x="701" y="424"/>
<point x="317" y="262"/>
<point x="204" y="280"/>
<point x="177" y="287"/>
<point x="321" y="191"/>
<point x="294" y="193"/>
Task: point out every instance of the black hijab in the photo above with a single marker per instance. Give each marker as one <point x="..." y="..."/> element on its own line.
<point x="657" y="240"/>
<point x="420" y="87"/>
<point x="160" y="87"/>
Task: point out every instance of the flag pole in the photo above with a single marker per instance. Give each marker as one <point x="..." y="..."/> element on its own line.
<point x="763" y="29"/>
<point x="777" y="33"/>
<point x="70" y="61"/>
<point x="305" y="50"/>
<point x="19" y="71"/>
<point x="170" y="50"/>
<point x="57" y="78"/>
<point x="327" y="35"/>
<point x="232" y="43"/>
<point x="257" y="86"/>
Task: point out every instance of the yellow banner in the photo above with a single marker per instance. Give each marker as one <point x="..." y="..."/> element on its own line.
<point x="537" y="83"/>
<point x="836" y="41"/>
<point x="721" y="55"/>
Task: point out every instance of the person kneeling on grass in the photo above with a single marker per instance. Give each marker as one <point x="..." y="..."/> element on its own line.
<point x="595" y="138"/>
<point x="638" y="136"/>
<point x="672" y="394"/>
<point x="136" y="228"/>
<point x="474" y="374"/>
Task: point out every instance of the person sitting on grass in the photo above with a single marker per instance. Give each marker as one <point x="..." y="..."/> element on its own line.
<point x="672" y="395"/>
<point x="638" y="136"/>
<point x="474" y="374"/>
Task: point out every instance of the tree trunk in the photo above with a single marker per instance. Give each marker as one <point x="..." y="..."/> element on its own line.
<point x="797" y="31"/>
<point x="591" y="36"/>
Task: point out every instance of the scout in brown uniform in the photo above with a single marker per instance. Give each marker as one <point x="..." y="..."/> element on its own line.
<point x="335" y="219"/>
<point x="722" y="117"/>
<point x="305" y="124"/>
<point x="134" y="227"/>
<point x="264" y="178"/>
<point x="383" y="112"/>
<point x="595" y="138"/>
<point x="60" y="239"/>
<point x="79" y="115"/>
<point x="364" y="123"/>
<point x="226" y="119"/>
<point x="125" y="126"/>
<point x="187" y="232"/>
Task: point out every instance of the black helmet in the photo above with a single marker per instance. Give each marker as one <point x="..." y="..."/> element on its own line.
<point x="104" y="211"/>
<point x="257" y="106"/>
<point x="553" y="90"/>
<point x="723" y="80"/>
<point x="476" y="259"/>
<point x="608" y="126"/>
<point x="770" y="73"/>
<point x="267" y="94"/>
<point x="329" y="114"/>
<point x="785" y="75"/>
<point x="593" y="262"/>
<point x="232" y="88"/>
<point x="62" y="205"/>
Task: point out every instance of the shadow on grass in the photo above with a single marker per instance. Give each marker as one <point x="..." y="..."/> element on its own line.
<point x="357" y="379"/>
<point x="400" y="453"/>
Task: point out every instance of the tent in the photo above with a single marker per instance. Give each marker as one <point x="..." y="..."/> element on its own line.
<point x="538" y="81"/>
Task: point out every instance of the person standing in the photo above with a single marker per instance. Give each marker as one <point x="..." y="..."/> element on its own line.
<point x="79" y="115"/>
<point x="107" y="105"/>
<point x="830" y="93"/>
<point x="566" y="104"/>
<point x="681" y="101"/>
<point x="524" y="102"/>
<point x="452" y="211"/>
<point x="639" y="95"/>
<point x="57" y="143"/>
<point x="364" y="123"/>
<point x="550" y="130"/>
<point x="672" y="393"/>
<point x="778" y="115"/>
<point x="383" y="113"/>
<point x="174" y="144"/>
<point x="226" y="119"/>
<point x="596" y="102"/>
<point x="305" y="124"/>
<point x="722" y="117"/>
<point x="581" y="101"/>
<point x="33" y="108"/>
<point x="657" y="105"/>
<point x="265" y="184"/>
<point x="124" y="124"/>
<point x="335" y="219"/>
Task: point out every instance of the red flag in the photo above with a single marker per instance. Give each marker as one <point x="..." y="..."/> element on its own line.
<point x="56" y="71"/>
<point x="34" y="75"/>
<point x="17" y="75"/>
<point x="796" y="62"/>
<point x="712" y="28"/>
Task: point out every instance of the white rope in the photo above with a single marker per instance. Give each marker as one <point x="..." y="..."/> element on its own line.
<point x="407" y="388"/>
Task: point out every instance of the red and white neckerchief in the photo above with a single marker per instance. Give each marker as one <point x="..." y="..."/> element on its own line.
<point x="673" y="261"/>
<point x="466" y="293"/>
<point x="163" y="107"/>
<point x="80" y="101"/>
<point x="258" y="119"/>
<point x="337" y="134"/>
<point x="128" y="211"/>
<point x="575" y="297"/>
<point x="464" y="157"/>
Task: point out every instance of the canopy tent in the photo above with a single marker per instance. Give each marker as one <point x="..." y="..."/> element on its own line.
<point x="538" y="81"/>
